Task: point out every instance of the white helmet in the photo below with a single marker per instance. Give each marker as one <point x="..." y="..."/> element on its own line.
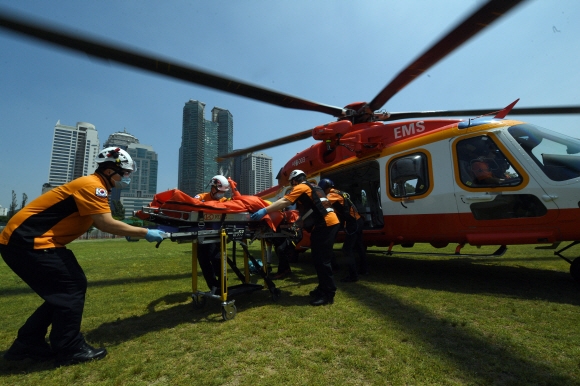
<point x="220" y="182"/>
<point x="296" y="173"/>
<point x="118" y="156"/>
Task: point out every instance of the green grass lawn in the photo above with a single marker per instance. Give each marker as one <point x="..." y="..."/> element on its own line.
<point x="414" y="320"/>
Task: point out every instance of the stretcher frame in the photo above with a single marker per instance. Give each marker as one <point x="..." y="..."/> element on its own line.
<point x="197" y="227"/>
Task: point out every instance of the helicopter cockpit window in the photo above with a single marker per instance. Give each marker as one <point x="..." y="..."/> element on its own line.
<point x="482" y="164"/>
<point x="409" y="175"/>
<point x="557" y="155"/>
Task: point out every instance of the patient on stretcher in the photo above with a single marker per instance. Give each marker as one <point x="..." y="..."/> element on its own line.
<point x="176" y="204"/>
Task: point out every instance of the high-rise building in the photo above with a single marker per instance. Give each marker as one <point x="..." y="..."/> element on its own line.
<point x="74" y="149"/>
<point x="120" y="139"/>
<point x="201" y="142"/>
<point x="256" y="173"/>
<point x="143" y="184"/>
<point x="237" y="170"/>
<point x="225" y="132"/>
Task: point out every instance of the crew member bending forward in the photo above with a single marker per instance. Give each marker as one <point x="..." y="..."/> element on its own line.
<point x="33" y="245"/>
<point x="319" y="219"/>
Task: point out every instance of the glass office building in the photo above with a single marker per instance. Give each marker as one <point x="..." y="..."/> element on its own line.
<point x="201" y="142"/>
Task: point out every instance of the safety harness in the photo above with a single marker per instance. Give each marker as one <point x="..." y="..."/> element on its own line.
<point x="314" y="207"/>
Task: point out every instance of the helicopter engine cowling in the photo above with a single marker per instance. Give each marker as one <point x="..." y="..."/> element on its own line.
<point x="331" y="131"/>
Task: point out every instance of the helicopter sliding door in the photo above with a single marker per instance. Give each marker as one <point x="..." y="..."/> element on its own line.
<point x="498" y="199"/>
<point x="362" y="183"/>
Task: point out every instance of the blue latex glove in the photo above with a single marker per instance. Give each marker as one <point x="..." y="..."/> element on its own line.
<point x="154" y="235"/>
<point x="258" y="215"/>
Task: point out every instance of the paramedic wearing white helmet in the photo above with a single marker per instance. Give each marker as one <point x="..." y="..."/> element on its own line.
<point x="208" y="255"/>
<point x="320" y="220"/>
<point x="33" y="245"/>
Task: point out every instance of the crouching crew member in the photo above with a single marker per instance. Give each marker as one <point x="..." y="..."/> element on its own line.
<point x="318" y="218"/>
<point x="352" y="223"/>
<point x="33" y="246"/>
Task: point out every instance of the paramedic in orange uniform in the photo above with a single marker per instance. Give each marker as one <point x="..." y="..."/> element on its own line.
<point x="352" y="224"/>
<point x="33" y="246"/>
<point x="319" y="218"/>
<point x="208" y="255"/>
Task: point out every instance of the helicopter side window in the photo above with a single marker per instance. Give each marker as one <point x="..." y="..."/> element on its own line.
<point x="408" y="175"/>
<point x="557" y="155"/>
<point x="482" y="164"/>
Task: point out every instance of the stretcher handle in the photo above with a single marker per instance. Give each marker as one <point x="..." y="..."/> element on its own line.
<point x="165" y="236"/>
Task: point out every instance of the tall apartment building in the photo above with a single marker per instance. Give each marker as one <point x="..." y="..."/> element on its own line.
<point x="225" y="130"/>
<point x="144" y="180"/>
<point x="201" y="142"/>
<point x="256" y="173"/>
<point x="74" y="149"/>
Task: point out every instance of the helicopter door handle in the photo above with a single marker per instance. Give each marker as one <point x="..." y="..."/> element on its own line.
<point x="484" y="197"/>
<point x="549" y="197"/>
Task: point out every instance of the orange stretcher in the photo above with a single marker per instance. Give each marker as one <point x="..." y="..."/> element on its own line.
<point x="185" y="219"/>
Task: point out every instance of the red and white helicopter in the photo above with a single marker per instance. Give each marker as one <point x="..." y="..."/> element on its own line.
<point x="417" y="177"/>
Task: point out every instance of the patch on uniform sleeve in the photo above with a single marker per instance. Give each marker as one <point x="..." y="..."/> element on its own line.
<point x="101" y="192"/>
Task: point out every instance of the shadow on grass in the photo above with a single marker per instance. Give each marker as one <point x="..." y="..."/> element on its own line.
<point x="23" y="367"/>
<point x="175" y="309"/>
<point x="482" y="360"/>
<point x="104" y="283"/>
<point x="465" y="275"/>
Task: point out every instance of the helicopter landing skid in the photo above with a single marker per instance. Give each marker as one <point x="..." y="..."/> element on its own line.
<point x="574" y="264"/>
<point x="559" y="253"/>
<point x="499" y="252"/>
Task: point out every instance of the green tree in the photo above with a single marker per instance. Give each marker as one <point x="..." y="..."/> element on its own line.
<point x="117" y="210"/>
<point x="13" y="206"/>
<point x="24" y="199"/>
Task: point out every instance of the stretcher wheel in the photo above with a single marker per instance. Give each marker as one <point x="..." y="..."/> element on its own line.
<point x="199" y="301"/>
<point x="229" y="312"/>
<point x="276" y="294"/>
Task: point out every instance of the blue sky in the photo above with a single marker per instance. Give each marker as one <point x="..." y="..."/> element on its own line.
<point x="329" y="51"/>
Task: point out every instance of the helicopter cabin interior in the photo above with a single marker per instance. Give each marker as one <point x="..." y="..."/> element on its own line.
<point x="362" y="182"/>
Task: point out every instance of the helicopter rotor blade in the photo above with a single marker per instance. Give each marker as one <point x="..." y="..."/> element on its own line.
<point x="156" y="65"/>
<point x="266" y="145"/>
<point x="479" y="20"/>
<point x="545" y="110"/>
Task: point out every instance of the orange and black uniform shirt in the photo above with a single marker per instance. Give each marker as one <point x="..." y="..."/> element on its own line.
<point x="300" y="189"/>
<point x="58" y="216"/>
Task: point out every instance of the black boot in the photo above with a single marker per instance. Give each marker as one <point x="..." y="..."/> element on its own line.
<point x="85" y="353"/>
<point x="322" y="300"/>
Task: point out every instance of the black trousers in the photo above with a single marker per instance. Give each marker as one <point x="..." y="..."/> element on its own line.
<point x="321" y="244"/>
<point x="353" y="241"/>
<point x="56" y="276"/>
<point x="208" y="256"/>
<point x="282" y="247"/>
